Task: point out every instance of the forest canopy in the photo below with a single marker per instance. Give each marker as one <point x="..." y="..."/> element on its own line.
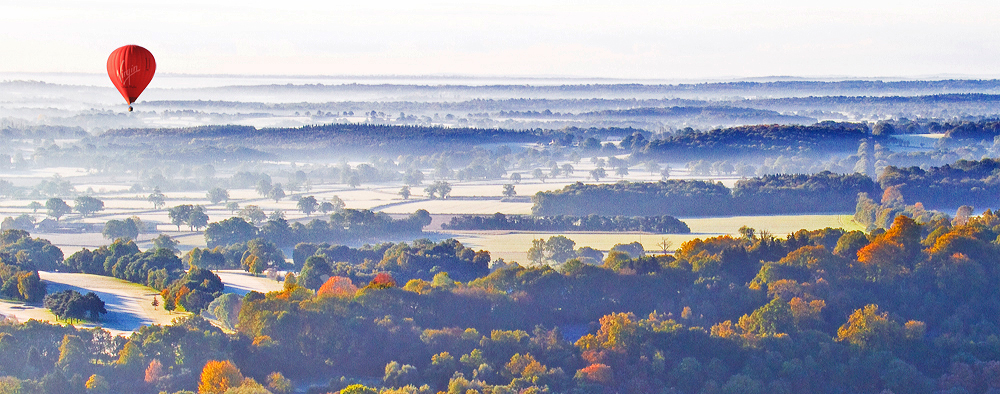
<point x="771" y="194"/>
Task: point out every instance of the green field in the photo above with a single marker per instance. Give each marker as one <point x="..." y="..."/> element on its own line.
<point x="513" y="246"/>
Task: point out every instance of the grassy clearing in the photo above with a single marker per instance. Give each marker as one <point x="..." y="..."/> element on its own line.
<point x="129" y="305"/>
<point x="241" y="282"/>
<point x="776" y="224"/>
<point x="513" y="246"/>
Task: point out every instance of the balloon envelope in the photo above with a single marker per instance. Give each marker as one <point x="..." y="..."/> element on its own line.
<point x="131" y="67"/>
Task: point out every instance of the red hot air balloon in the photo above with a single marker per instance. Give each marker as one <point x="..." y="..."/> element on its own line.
<point x="131" y="67"/>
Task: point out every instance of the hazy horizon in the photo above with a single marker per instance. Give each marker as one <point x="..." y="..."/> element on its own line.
<point x="715" y="40"/>
<point x="192" y="80"/>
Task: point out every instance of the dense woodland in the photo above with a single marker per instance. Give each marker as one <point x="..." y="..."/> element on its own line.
<point x="908" y="309"/>
<point x="738" y="142"/>
<point x="962" y="183"/>
<point x="823" y="192"/>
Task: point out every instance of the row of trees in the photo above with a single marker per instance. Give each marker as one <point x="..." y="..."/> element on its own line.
<point x="58" y="208"/>
<point x="344" y="226"/>
<point x="421" y="259"/>
<point x="656" y="224"/>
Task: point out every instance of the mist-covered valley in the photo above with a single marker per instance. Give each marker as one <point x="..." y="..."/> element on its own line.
<point x="424" y="234"/>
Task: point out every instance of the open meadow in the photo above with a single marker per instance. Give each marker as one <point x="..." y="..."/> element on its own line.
<point x="129" y="305"/>
<point x="513" y="246"/>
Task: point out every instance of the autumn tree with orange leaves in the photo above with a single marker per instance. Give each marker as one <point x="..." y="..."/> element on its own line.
<point x="219" y="376"/>
<point x="894" y="253"/>
<point x="337" y="286"/>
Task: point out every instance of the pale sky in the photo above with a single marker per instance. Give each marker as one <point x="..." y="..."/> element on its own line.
<point x="613" y="39"/>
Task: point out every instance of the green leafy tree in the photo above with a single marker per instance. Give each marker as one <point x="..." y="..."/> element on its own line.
<point x="180" y="214"/>
<point x="768" y="320"/>
<point x="88" y="205"/>
<point x="665" y="173"/>
<point x="264" y="187"/>
<point x="217" y="195"/>
<point x="97" y="384"/>
<point x="232" y="206"/>
<point x="30" y="286"/>
<point x="164" y="241"/>
<point x="115" y="229"/>
<point x="276" y="193"/>
<point x="508" y="190"/>
<point x="307" y="205"/>
<point x="431" y="191"/>
<point x="598" y="173"/>
<point x="868" y="327"/>
<point x="405" y="192"/>
<point x="536" y="253"/>
<point x="568" y="170"/>
<point x="157" y="197"/>
<point x="276" y="215"/>
<point x="226" y="309"/>
<point x="69" y="304"/>
<point x="57" y="207"/>
<point x="197" y="218"/>
<point x="230" y="231"/>
<point x="73" y="354"/>
<point x="444" y="189"/>
<point x="358" y="389"/>
<point x="315" y="272"/>
<point x="559" y="248"/>
<point x="260" y="255"/>
<point x="413" y="177"/>
<point x="539" y="175"/>
<point x="652" y="166"/>
<point x="338" y="204"/>
<point x="34" y="206"/>
<point x="253" y="214"/>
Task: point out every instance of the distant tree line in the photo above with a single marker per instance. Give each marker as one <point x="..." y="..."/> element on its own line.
<point x="333" y="135"/>
<point x="700" y="114"/>
<point x="348" y="225"/>
<point x="663" y="224"/>
<point x="41" y="132"/>
<point x="874" y="214"/>
<point x="771" y="194"/>
<point x="966" y="182"/>
<point x="740" y="141"/>
<point x="421" y="259"/>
